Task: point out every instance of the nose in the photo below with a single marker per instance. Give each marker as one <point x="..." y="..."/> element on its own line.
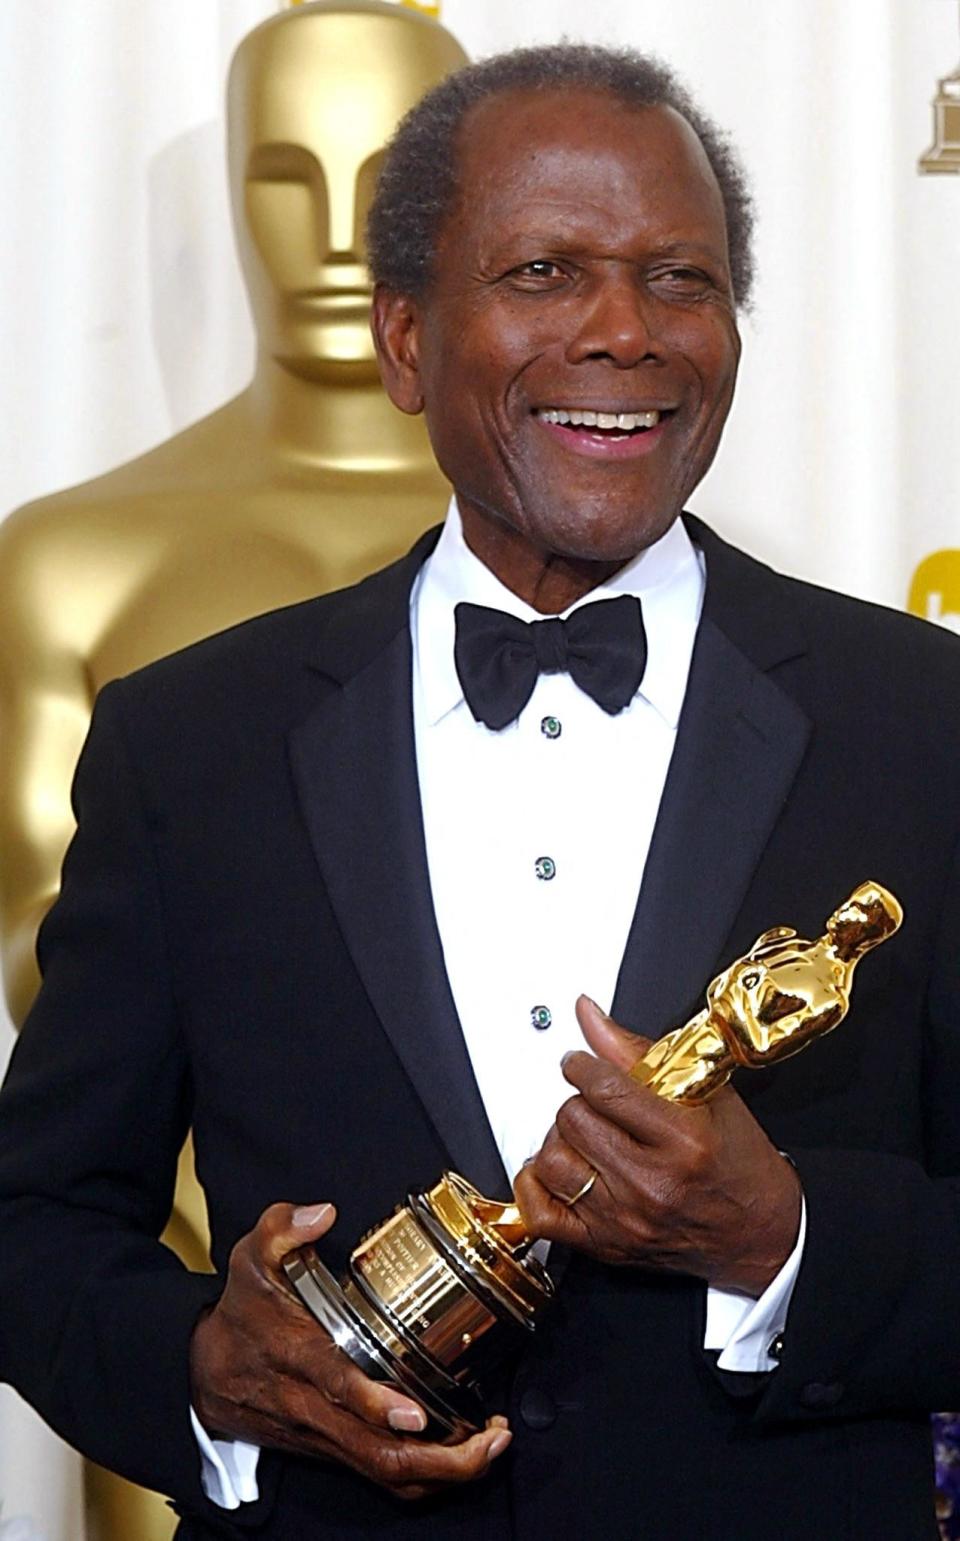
<point x="616" y="324"/>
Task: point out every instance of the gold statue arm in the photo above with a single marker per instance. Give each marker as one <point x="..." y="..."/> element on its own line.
<point x="45" y="706"/>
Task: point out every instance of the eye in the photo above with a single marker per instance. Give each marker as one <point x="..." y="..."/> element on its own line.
<point x="540" y="267"/>
<point x="751" y="980"/>
<point x="538" y="273"/>
<point x="683" y="282"/>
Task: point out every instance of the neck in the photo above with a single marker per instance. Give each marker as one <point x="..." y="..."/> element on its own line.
<point x="344" y="421"/>
<point x="546" y="580"/>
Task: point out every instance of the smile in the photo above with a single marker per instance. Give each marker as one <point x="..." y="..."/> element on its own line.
<point x="605" y="434"/>
<point x="624" y="422"/>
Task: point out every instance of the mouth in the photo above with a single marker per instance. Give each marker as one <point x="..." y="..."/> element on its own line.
<point x="606" y="432"/>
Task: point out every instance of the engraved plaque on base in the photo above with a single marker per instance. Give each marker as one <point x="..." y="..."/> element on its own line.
<point x="433" y="1299"/>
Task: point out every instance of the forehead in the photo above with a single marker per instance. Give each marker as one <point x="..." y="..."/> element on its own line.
<point x="573" y="160"/>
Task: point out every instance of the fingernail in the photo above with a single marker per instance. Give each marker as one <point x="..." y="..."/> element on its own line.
<point x="310" y="1214"/>
<point x="569" y="1055"/>
<point x="408" y="1419"/>
<point x="498" y="1446"/>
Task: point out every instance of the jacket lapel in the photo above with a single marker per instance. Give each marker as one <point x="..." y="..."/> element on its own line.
<point x="354" y="765"/>
<point x="739" y="745"/>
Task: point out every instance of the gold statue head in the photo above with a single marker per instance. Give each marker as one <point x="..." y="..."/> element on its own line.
<point x="787" y="991"/>
<point x="314" y="95"/>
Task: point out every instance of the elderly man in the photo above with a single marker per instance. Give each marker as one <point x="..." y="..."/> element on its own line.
<point x="341" y="875"/>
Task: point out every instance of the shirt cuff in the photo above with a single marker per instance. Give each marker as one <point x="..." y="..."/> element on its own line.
<point x="228" y="1468"/>
<point x="746" y="1330"/>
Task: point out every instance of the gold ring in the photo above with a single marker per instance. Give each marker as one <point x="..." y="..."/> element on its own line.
<point x="581" y="1193"/>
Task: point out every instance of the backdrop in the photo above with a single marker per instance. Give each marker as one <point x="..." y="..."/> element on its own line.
<point x="122" y="315"/>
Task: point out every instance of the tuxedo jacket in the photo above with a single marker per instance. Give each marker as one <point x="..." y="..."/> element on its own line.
<point x="245" y="942"/>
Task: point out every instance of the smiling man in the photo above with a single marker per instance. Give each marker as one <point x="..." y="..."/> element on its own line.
<point x="576" y="348"/>
<point x="349" y="880"/>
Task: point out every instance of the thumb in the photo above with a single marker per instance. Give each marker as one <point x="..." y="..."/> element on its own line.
<point x="282" y="1228"/>
<point x="607" y="1038"/>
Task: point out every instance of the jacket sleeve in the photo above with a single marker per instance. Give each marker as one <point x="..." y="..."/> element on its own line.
<point x="95" y="1312"/>
<point x="873" y="1327"/>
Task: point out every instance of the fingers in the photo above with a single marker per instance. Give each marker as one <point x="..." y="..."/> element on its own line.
<point x="262" y="1369"/>
<point x="564" y="1169"/>
<point x="283" y="1227"/>
<point x="376" y="1403"/>
<point x="412" y="1468"/>
<point x="545" y="1213"/>
<point x="609" y="1091"/>
<point x="607" y="1038"/>
<point x="279" y="1231"/>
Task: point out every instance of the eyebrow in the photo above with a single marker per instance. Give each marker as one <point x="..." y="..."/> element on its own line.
<point x="553" y="241"/>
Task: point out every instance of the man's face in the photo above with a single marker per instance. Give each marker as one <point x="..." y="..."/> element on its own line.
<point x="583" y="270"/>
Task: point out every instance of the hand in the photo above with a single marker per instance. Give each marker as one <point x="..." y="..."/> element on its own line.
<point x="262" y="1369"/>
<point x="696" y="1190"/>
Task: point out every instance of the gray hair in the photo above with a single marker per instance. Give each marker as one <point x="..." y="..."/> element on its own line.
<point x="418" y="182"/>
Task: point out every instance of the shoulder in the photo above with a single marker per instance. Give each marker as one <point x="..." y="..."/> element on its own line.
<point x="858" y="641"/>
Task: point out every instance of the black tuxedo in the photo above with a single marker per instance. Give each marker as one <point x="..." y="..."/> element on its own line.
<point x="245" y="941"/>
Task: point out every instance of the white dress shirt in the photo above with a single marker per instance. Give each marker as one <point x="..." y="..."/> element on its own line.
<point x="537" y="836"/>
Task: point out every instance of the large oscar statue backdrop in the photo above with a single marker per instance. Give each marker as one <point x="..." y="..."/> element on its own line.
<point x="306" y="481"/>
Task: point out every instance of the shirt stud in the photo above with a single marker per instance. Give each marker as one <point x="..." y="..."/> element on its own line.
<point x="545" y="867"/>
<point x="550" y="727"/>
<point x="541" y="1018"/>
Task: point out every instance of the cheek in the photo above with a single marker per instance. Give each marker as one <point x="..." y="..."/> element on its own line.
<point x="711" y="345"/>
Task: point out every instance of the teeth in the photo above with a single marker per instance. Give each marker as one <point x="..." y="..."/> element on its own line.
<point x="624" y="421"/>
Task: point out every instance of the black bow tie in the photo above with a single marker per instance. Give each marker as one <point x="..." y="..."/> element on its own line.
<point x="603" y="647"/>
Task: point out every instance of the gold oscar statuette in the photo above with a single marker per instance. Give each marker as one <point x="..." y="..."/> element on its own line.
<point x="436" y="1295"/>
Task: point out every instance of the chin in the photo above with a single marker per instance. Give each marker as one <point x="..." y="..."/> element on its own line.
<point x="601" y="540"/>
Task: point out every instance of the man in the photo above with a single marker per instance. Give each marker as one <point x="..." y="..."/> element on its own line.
<point x="258" y="933"/>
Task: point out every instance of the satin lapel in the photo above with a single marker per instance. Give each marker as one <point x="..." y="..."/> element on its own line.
<point x="355" y="767"/>
<point x="739" y="745"/>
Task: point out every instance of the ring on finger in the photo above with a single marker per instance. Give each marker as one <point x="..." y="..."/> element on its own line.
<point x="582" y="1192"/>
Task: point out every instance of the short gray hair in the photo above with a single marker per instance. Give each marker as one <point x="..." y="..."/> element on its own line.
<point x="418" y="182"/>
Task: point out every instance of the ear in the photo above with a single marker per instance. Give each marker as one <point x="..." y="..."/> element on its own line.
<point x="395" y="324"/>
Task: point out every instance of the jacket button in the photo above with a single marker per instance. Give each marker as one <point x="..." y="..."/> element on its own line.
<point x="817" y="1393"/>
<point x="537" y="1409"/>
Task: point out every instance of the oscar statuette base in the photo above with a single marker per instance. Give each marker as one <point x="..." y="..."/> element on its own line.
<point x="421" y="1294"/>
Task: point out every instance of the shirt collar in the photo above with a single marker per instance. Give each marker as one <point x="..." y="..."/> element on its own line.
<point x="667" y="578"/>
